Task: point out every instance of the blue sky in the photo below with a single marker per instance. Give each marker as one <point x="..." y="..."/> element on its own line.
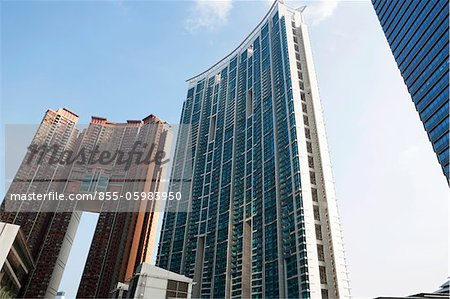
<point x="124" y="60"/>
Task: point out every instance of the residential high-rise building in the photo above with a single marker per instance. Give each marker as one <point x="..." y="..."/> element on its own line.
<point x="43" y="231"/>
<point x="417" y="32"/>
<point x="126" y="230"/>
<point x="258" y="218"/>
<point x="123" y="239"/>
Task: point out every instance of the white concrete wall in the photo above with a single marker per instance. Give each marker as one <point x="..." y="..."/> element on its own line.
<point x="8" y="233"/>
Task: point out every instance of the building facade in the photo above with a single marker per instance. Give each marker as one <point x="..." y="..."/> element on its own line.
<point x="15" y="260"/>
<point x="151" y="282"/>
<point x="261" y="218"/>
<point x="418" y="35"/>
<point x="125" y="234"/>
<point x="43" y="231"/>
<point x="126" y="230"/>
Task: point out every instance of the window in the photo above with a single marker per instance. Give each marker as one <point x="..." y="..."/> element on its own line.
<point x="250" y="51"/>
<point x="312" y="176"/>
<point x="307" y="133"/>
<point x="304" y="108"/>
<point x="311" y="161"/>
<point x="320" y="253"/>
<point x="172" y="285"/>
<point x="183" y="286"/>
<point x="324" y="294"/>
<point x="249" y="102"/>
<point x="323" y="274"/>
<point x="309" y="147"/>
<point x="212" y="128"/>
<point x="316" y="213"/>
<point x="319" y="232"/>
<point x="305" y="120"/>
<point x="176" y="289"/>
<point x="302" y="96"/>
<point x="315" y="197"/>
<point x="217" y="78"/>
<point x="302" y="86"/>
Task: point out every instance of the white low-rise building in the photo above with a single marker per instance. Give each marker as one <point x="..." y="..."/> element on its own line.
<point x="151" y="282"/>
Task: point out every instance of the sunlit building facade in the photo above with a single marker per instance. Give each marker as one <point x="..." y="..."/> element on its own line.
<point x="45" y="232"/>
<point x="125" y="235"/>
<point x="262" y="218"/>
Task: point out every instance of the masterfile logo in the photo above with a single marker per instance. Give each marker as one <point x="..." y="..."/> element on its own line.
<point x="140" y="153"/>
<point x="115" y="168"/>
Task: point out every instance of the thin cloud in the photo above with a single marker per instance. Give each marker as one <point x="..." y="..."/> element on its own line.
<point x="318" y="11"/>
<point x="208" y="14"/>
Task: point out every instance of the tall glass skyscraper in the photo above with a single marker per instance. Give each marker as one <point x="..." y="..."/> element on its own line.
<point x="262" y="219"/>
<point x="417" y="32"/>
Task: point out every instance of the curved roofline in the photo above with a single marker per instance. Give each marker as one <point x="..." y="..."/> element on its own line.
<point x="240" y="45"/>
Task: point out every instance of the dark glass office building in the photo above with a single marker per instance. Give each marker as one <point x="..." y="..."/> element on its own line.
<point x="262" y="219"/>
<point x="417" y="32"/>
